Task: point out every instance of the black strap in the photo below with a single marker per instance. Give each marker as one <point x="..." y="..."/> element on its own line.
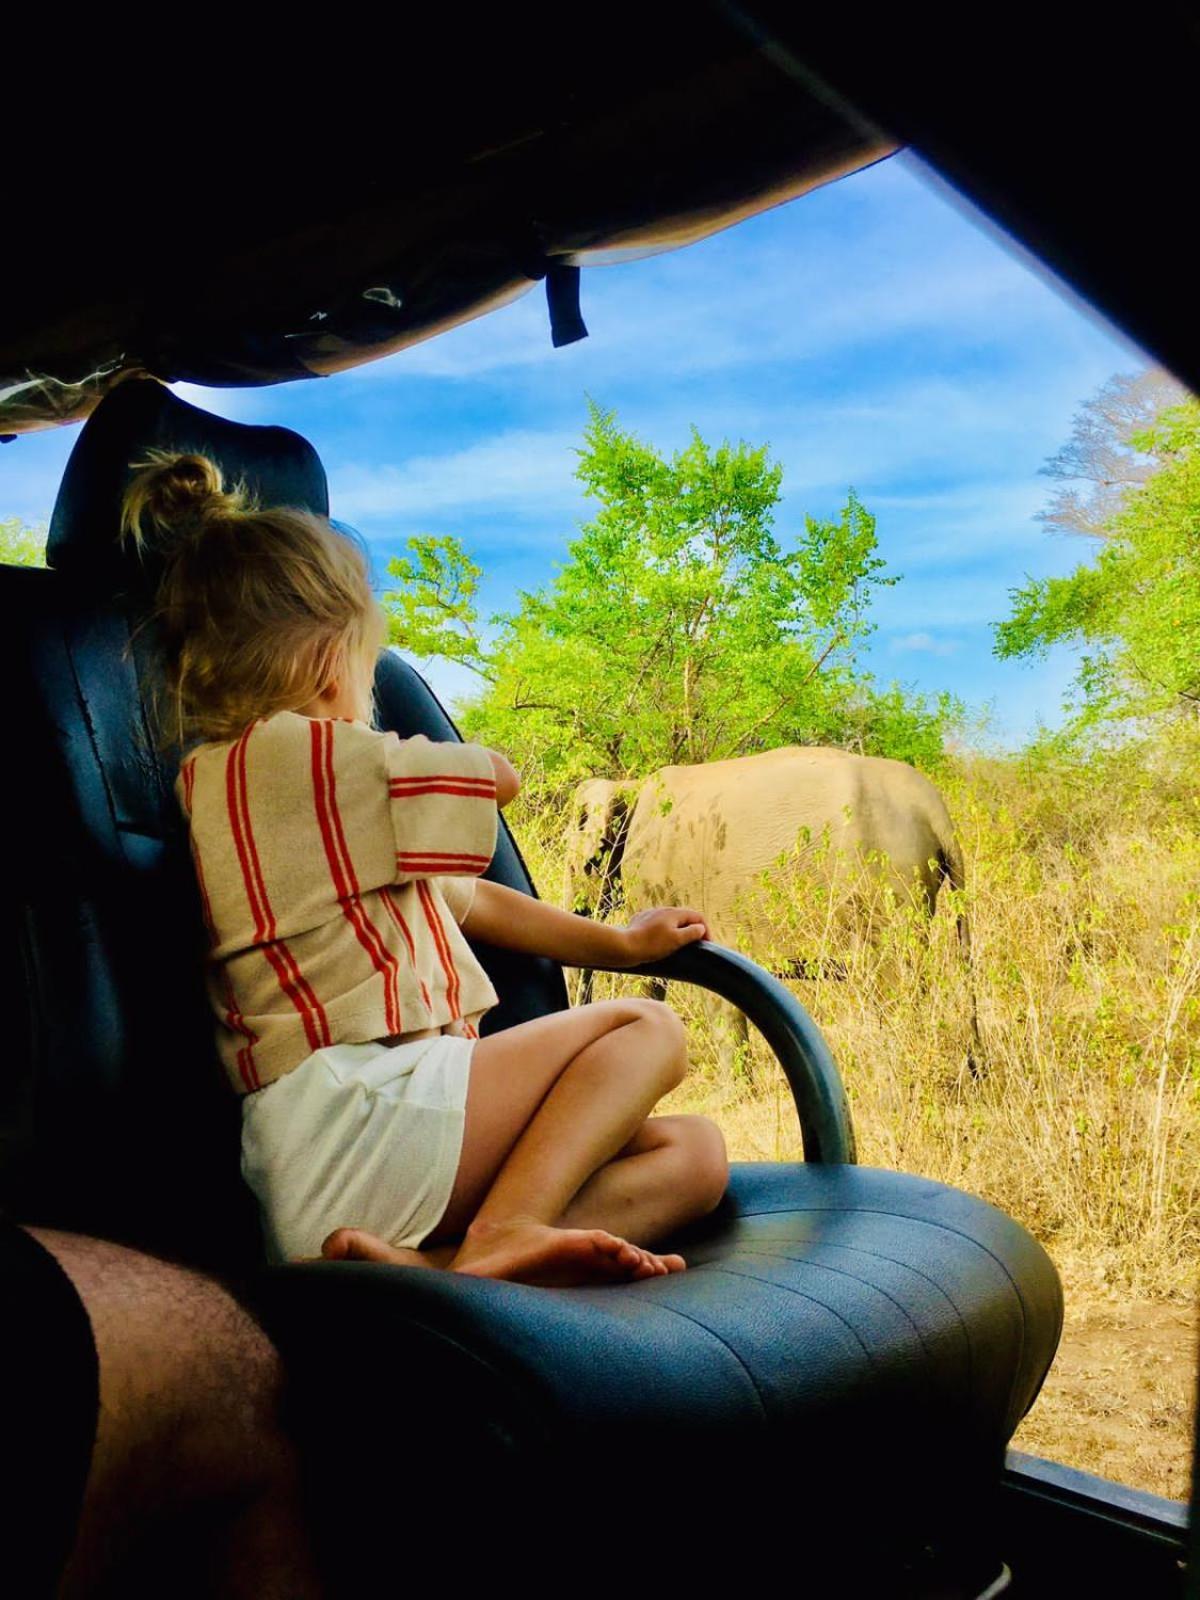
<point x="562" y="299"/>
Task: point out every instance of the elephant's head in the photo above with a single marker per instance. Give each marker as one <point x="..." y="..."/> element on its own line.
<point x="598" y="823"/>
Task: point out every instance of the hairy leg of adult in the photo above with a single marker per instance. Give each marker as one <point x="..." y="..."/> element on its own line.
<point x="549" y="1103"/>
<point x="189" y="1429"/>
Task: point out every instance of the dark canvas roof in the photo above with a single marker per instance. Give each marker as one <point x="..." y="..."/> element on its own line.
<point x="255" y="242"/>
<point x="285" y="204"/>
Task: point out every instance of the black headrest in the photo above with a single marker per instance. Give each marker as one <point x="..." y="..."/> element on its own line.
<point x="278" y="466"/>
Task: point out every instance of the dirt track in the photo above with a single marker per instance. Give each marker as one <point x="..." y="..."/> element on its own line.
<point x="1118" y="1400"/>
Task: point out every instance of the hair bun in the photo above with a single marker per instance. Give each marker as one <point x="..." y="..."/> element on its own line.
<point x="167" y="492"/>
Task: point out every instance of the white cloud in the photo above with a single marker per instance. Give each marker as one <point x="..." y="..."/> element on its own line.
<point x="520" y="470"/>
<point x="923" y="644"/>
<point x="949" y="468"/>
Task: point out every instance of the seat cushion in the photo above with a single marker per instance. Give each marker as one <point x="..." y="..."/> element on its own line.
<point x="838" y="1328"/>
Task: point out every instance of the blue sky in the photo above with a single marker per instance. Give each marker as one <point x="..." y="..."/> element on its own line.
<point x="872" y="332"/>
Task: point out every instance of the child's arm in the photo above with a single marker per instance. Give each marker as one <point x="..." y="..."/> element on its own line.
<point x="515" y="921"/>
<point x="442" y="797"/>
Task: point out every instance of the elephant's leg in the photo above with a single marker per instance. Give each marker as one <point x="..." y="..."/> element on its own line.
<point x="655" y="989"/>
<point x="730" y="1034"/>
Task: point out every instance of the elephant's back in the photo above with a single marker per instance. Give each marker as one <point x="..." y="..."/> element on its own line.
<point x="703" y="833"/>
<point x="779" y="779"/>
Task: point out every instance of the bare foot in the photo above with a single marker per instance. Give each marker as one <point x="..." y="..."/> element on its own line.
<point x="352" y="1244"/>
<point x="526" y="1251"/>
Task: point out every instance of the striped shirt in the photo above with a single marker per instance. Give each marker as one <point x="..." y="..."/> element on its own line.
<point x="335" y="865"/>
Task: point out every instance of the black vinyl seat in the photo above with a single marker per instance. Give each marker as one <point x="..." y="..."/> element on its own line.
<point x="844" y="1336"/>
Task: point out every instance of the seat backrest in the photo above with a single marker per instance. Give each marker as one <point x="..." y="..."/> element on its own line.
<point x="115" y="1118"/>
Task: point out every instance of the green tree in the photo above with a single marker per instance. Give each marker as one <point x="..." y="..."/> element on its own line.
<point x="1136" y="607"/>
<point x="21" y="546"/>
<point x="434" y="614"/>
<point x="680" y="628"/>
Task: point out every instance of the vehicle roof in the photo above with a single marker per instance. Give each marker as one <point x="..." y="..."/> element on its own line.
<point x="339" y="223"/>
<point x="271" y="207"/>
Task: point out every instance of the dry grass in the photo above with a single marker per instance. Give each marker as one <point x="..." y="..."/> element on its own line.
<point x="1081" y="1117"/>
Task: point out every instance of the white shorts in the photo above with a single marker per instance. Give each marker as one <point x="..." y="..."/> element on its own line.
<point x="359" y="1136"/>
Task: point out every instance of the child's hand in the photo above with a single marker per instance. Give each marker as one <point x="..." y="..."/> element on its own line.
<point x="651" y="935"/>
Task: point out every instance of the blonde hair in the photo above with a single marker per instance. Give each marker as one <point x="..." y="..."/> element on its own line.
<point x="260" y="609"/>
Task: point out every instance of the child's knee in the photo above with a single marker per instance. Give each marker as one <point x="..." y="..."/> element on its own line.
<point x="671" y="1036"/>
<point x="708" y="1164"/>
<point x="702" y="1166"/>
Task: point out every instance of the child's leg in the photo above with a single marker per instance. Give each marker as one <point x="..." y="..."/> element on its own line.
<point x="549" y="1103"/>
<point x="673" y="1171"/>
<point x="615" y="1062"/>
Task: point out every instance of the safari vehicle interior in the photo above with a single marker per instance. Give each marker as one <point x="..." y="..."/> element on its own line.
<point x="852" y="1349"/>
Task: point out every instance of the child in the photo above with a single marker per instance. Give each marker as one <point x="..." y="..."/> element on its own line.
<point x="339" y="869"/>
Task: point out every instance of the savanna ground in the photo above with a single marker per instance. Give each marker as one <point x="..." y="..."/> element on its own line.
<point x="1082" y="1118"/>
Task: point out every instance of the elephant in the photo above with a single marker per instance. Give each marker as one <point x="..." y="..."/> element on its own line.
<point x="724" y="835"/>
<point x="596" y="845"/>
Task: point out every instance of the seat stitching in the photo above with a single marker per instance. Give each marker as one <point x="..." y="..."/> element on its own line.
<point x="923" y="1222"/>
<point x="944" y="1228"/>
<point x="875" y="1211"/>
<point x="878" y="1255"/>
<point x="800" y="1294"/>
<point x="821" y="1266"/>
<point x="695" y="1321"/>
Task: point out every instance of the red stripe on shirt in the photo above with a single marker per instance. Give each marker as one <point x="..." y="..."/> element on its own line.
<point x="341" y="869"/>
<point x="483" y="786"/>
<point x="405" y="779"/>
<point x="205" y="902"/>
<point x="235" y="825"/>
<point x="423" y="867"/>
<point x="246" y="1055"/>
<point x="390" y="967"/>
<point x="397" y="917"/>
<point x="445" y="857"/>
<point x="235" y="1020"/>
<point x="444" y="789"/>
<point x="291" y="980"/>
<point x="442" y="945"/>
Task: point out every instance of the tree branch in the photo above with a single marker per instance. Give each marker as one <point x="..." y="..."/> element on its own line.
<point x="838" y="638"/>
